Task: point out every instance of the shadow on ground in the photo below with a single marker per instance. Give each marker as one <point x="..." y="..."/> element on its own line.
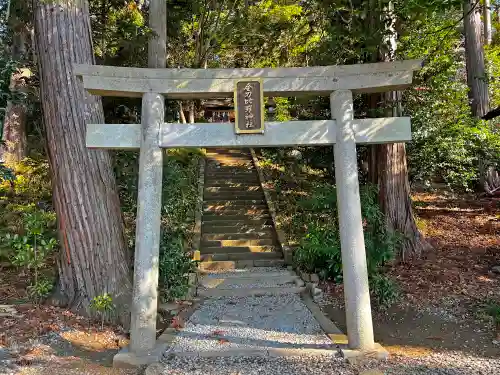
<point x="411" y="333"/>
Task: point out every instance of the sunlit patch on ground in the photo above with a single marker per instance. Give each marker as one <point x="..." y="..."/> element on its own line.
<point x="408" y="351"/>
<point x="94" y="341"/>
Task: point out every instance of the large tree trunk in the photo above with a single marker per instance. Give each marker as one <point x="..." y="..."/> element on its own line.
<point x="474" y="53"/>
<point x="392" y="171"/>
<point x="93" y="259"/>
<point x="14" y="147"/>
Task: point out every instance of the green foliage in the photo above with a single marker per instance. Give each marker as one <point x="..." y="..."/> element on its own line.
<point x="448" y="144"/>
<point x="383" y="290"/>
<point x="180" y="197"/>
<point x="102" y="304"/>
<point x="6" y="174"/>
<point x="7" y="67"/>
<point x="175" y="265"/>
<point x="28" y="180"/>
<point x="40" y="289"/>
<point x="30" y="244"/>
<point x="493" y="309"/>
<point x="319" y="249"/>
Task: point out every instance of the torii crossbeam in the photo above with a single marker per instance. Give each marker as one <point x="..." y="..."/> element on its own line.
<point x="343" y="131"/>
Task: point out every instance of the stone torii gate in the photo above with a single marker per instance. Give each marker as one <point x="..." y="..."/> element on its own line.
<point x="343" y="131"/>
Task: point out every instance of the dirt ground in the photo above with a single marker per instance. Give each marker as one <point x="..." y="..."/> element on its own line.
<point x="443" y="294"/>
<point x="440" y="308"/>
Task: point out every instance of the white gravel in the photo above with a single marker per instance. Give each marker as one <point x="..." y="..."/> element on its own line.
<point x="252" y="323"/>
<point x="257" y="366"/>
<point x="446" y="363"/>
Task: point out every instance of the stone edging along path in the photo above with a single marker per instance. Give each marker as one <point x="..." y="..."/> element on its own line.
<point x="263" y="324"/>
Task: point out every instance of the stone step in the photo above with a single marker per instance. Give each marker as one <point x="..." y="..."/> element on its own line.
<point x="243" y="219"/>
<point x="233" y="189"/>
<point x="229" y="170"/>
<point x="227" y="208"/>
<point x="263" y="235"/>
<point x="240" y="256"/>
<point x="242" y="211"/>
<point x="249" y="292"/>
<point x="228" y="265"/>
<point x="233" y="203"/>
<point x="251" y="274"/>
<point x="214" y="282"/>
<point x="236" y="176"/>
<point x="228" y="228"/>
<point x="233" y="177"/>
<point x="229" y="162"/>
<point x="232" y="182"/>
<point x="238" y="242"/>
<point x="246" y="226"/>
<point x="231" y="153"/>
<point x="229" y="183"/>
<point x="246" y="195"/>
<point x="257" y="249"/>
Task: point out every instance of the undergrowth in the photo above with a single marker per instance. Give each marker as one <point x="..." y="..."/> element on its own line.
<point x="28" y="238"/>
<point x="307" y="203"/>
<point x="179" y="197"/>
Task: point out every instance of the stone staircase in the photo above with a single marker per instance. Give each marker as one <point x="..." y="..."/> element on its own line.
<point x="237" y="230"/>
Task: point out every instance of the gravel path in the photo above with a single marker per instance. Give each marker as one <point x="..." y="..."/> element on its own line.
<point x="257" y="366"/>
<point x="446" y="363"/>
<point x="252" y="323"/>
<point x="266" y="322"/>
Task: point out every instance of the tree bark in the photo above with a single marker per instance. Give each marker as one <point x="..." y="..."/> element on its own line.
<point x="394" y="198"/>
<point x="93" y="259"/>
<point x="157" y="47"/>
<point x="181" y="113"/>
<point x="392" y="171"/>
<point x="487" y="22"/>
<point x="14" y="147"/>
<point x="474" y="53"/>
<point x="15" y="144"/>
<point x="191" y="112"/>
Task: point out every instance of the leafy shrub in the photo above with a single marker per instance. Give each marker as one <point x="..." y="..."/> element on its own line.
<point x="319" y="252"/>
<point x="175" y="265"/>
<point x="32" y="245"/>
<point x="31" y="181"/>
<point x="40" y="289"/>
<point x="383" y="290"/>
<point x="179" y="202"/>
<point x="319" y="249"/>
<point x="6" y="174"/>
<point x="102" y="304"/>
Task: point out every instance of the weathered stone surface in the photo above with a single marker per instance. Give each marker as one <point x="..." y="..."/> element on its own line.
<point x="314" y="278"/>
<point x="204" y="83"/>
<point x="317" y="132"/>
<point x="145" y="296"/>
<point x="354" y="356"/>
<point x="235" y="73"/>
<point x="127" y="359"/>
<point x="357" y="294"/>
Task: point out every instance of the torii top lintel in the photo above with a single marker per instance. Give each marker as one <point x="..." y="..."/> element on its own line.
<point x="215" y="83"/>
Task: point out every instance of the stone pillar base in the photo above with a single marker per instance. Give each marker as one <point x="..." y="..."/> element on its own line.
<point x="128" y="360"/>
<point x="359" y="356"/>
